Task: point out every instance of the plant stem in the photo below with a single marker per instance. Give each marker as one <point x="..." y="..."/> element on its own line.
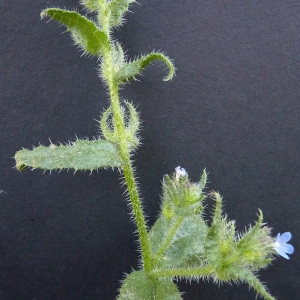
<point x="129" y="178"/>
<point x="108" y="72"/>
<point x="127" y="168"/>
<point x="182" y="272"/>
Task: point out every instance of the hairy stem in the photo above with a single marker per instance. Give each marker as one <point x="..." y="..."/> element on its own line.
<point x="109" y="76"/>
<point x="182" y="272"/>
<point x="129" y="178"/>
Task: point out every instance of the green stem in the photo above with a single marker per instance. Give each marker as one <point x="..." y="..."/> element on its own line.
<point x="129" y="177"/>
<point x="108" y="72"/>
<point x="103" y="18"/>
<point x="182" y="272"/>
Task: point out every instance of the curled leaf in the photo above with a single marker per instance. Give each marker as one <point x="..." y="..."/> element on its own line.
<point x="134" y="68"/>
<point x="132" y="124"/>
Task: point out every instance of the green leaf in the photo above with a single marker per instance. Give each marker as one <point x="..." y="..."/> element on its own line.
<point x="157" y="233"/>
<point x="132" y="123"/>
<point x="91" y="5"/>
<point x="203" y="181"/>
<point x="184" y="246"/>
<point x="245" y="240"/>
<point x="134" y="68"/>
<point x="85" y="33"/>
<point x="117" y="9"/>
<point x="217" y="217"/>
<point x="211" y="246"/>
<point x="253" y="281"/>
<point x="79" y="155"/>
<point x="187" y="244"/>
<point x="220" y="241"/>
<point x="138" y="286"/>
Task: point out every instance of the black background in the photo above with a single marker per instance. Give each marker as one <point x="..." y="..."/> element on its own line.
<point x="233" y="108"/>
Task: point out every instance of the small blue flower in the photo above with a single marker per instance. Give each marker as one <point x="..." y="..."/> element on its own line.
<point x="179" y="172"/>
<point x="281" y="246"/>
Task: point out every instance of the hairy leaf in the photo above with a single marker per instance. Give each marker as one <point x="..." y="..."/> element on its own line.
<point x="134" y="68"/>
<point x="85" y="33"/>
<point x="91" y="5"/>
<point x="220" y="240"/>
<point x="79" y="155"/>
<point x="203" y="181"/>
<point x="182" y="240"/>
<point x="248" y="236"/>
<point x="253" y="281"/>
<point x="117" y="9"/>
<point x="132" y="124"/>
<point x="157" y="233"/>
<point x="138" y="286"/>
<point x="188" y="242"/>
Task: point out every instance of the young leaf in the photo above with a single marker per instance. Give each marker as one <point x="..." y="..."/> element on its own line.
<point x="220" y="240"/>
<point x="132" y="123"/>
<point x="117" y="9"/>
<point x="91" y="5"/>
<point x="253" y="281"/>
<point x="134" y="68"/>
<point x="79" y="155"/>
<point x="203" y="181"/>
<point x="85" y="33"/>
<point x="250" y="234"/>
<point x="138" y="286"/>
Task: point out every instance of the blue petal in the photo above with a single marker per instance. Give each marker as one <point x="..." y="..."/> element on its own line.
<point x="289" y="249"/>
<point x="284" y="238"/>
<point x="281" y="252"/>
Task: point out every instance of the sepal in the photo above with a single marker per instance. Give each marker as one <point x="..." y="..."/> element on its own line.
<point x="256" y="245"/>
<point x="135" y="68"/>
<point x="85" y="32"/>
<point x="78" y="155"/>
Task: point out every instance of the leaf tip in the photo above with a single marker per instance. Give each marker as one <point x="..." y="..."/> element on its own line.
<point x="43" y="14"/>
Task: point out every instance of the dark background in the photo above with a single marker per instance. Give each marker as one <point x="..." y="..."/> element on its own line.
<point x="233" y="108"/>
